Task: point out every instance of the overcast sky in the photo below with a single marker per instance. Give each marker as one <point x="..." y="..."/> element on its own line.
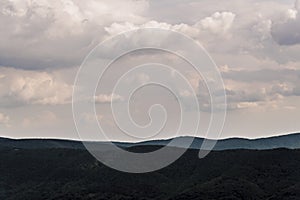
<point x="255" y="44"/>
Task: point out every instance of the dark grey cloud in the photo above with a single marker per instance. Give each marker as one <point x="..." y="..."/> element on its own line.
<point x="287" y="33"/>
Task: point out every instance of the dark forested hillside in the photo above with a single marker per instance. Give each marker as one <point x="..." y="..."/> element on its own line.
<point x="27" y="174"/>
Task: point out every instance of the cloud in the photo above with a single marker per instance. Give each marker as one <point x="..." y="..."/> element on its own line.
<point x="117" y="28"/>
<point x="246" y="95"/>
<point x="42" y="41"/>
<point x="286" y="89"/>
<point x="292" y="13"/>
<point x="262" y="75"/>
<point x="47" y="34"/>
<point x="242" y="105"/>
<point x="57" y="34"/>
<point x="108" y="98"/>
<point x="19" y="87"/>
<point x="278" y="78"/>
<point x="241" y="34"/>
<point x="287" y="32"/>
<point x="218" y="23"/>
<point x="261" y="88"/>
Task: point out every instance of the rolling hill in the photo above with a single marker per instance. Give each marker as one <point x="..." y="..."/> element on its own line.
<point x="73" y="174"/>
<point x="290" y="141"/>
<point x="34" y="169"/>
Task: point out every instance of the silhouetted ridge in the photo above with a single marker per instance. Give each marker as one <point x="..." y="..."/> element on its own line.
<point x="291" y="141"/>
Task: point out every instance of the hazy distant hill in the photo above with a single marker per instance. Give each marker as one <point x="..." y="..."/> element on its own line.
<point x="291" y="141"/>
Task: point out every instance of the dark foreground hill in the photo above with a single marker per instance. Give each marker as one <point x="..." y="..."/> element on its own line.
<point x="70" y="174"/>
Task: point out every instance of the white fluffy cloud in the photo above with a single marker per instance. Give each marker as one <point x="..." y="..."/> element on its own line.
<point x="19" y="87"/>
<point x="116" y="28"/>
<point x="218" y="23"/>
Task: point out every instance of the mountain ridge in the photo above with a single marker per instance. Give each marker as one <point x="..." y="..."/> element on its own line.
<point x="290" y="141"/>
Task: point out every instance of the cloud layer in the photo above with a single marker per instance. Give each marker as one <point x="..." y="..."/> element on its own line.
<point x="255" y="44"/>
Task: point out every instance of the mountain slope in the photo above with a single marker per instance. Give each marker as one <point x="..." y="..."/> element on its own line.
<point x="68" y="174"/>
<point x="291" y="141"/>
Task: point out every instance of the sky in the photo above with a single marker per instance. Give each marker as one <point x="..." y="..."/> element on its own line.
<point x="254" y="43"/>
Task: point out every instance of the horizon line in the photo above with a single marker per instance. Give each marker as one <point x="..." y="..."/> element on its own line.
<point x="154" y="139"/>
